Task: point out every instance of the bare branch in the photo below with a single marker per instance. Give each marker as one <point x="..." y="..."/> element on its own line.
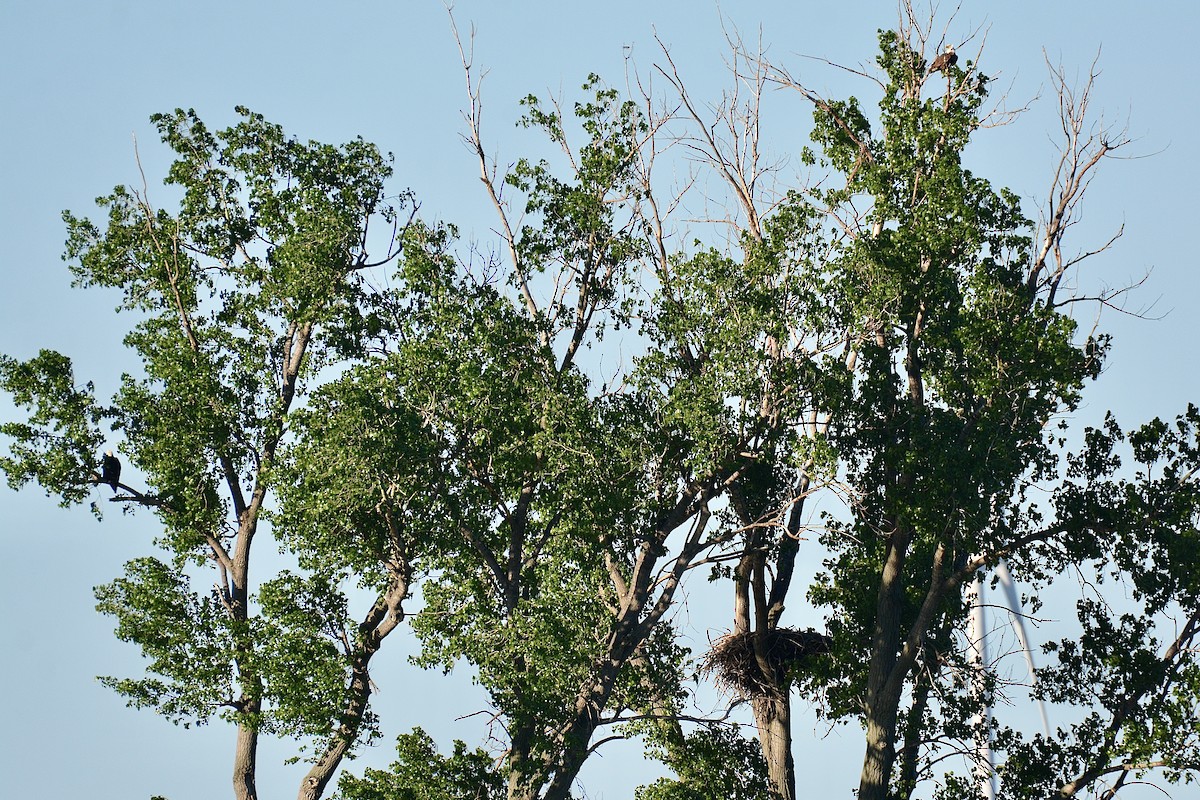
<point x="1085" y="145"/>
<point x="488" y="171"/>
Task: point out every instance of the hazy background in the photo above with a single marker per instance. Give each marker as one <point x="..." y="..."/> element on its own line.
<point x="79" y="80"/>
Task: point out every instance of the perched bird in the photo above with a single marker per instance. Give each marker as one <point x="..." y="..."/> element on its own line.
<point x="946" y="59"/>
<point x="110" y="470"/>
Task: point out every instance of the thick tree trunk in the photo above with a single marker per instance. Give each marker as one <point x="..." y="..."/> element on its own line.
<point x="881" y="754"/>
<point x="883" y="687"/>
<point x="245" y="756"/>
<point x="773" y="711"/>
<point x="635" y="621"/>
<point x="522" y="782"/>
<point x="773" y="716"/>
<point x="588" y="705"/>
<point x="522" y="787"/>
<point x="629" y="632"/>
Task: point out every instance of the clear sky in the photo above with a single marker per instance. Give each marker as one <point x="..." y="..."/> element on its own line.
<point x="79" y="80"/>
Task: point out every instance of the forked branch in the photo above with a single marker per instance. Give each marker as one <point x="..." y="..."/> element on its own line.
<point x="1086" y="143"/>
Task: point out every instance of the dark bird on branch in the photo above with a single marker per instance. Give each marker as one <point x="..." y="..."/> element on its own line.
<point x="945" y="60"/>
<point x="110" y="470"/>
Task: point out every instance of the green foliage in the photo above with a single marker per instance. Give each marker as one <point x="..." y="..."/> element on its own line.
<point x="57" y="446"/>
<point x="580" y="223"/>
<point x="942" y="434"/>
<point x="354" y="485"/>
<point x="714" y="762"/>
<point x="945" y="415"/>
<point x="1140" y="689"/>
<point x="303" y="670"/>
<point x="420" y="772"/>
<point x="187" y="638"/>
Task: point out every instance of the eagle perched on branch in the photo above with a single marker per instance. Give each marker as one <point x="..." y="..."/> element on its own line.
<point x="110" y="470"/>
<point x="944" y="60"/>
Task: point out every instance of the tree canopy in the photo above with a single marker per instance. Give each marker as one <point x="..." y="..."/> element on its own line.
<point x="525" y="453"/>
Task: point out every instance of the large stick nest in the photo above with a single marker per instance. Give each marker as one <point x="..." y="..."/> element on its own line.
<point x="736" y="668"/>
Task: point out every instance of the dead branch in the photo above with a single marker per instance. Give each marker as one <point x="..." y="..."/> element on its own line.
<point x="488" y="171"/>
<point x="1086" y="143"/>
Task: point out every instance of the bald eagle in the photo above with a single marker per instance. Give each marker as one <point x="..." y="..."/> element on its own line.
<point x="946" y="59"/>
<point x="110" y="470"/>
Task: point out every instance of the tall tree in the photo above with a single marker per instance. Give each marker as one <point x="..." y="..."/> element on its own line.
<point x="964" y="353"/>
<point x="241" y="297"/>
<point x="580" y="508"/>
<point x="957" y="352"/>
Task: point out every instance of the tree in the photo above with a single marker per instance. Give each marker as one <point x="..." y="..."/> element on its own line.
<point x="959" y="353"/>
<point x="242" y="297"/>
<point x="550" y="438"/>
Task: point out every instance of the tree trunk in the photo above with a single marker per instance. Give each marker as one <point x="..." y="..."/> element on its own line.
<point x="883" y="686"/>
<point x="245" y="755"/>
<point x="773" y="716"/>
<point x="522" y="783"/>
<point x="881" y="754"/>
<point x="772" y="711"/>
<point x="588" y="705"/>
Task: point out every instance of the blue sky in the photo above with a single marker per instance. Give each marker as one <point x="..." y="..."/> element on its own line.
<point x="81" y="78"/>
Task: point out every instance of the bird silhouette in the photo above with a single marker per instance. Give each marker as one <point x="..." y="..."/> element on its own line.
<point x="110" y="470"/>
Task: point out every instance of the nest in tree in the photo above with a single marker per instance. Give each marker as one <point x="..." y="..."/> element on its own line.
<point x="736" y="668"/>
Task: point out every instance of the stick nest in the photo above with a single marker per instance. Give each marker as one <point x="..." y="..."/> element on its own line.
<point x="735" y="668"/>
